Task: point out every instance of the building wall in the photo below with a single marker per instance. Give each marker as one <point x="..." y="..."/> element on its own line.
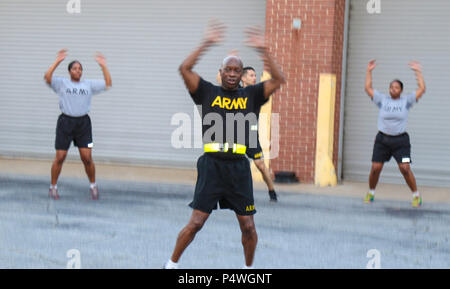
<point x="144" y="43"/>
<point x="316" y="48"/>
<point x="404" y="30"/>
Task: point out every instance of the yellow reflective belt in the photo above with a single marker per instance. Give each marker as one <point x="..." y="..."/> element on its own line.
<point x="212" y="147"/>
<point x="226" y="146"/>
<point x="216" y="147"/>
<point x="239" y="149"/>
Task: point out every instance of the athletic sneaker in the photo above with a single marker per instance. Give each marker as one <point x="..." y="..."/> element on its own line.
<point x="273" y="196"/>
<point x="369" y="198"/>
<point x="94" y="192"/>
<point x="417" y="202"/>
<point x="170" y="265"/>
<point x="53" y="193"/>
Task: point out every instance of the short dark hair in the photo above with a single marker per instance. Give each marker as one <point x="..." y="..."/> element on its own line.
<point x="73" y="62"/>
<point x="247" y="68"/>
<point x="399" y="82"/>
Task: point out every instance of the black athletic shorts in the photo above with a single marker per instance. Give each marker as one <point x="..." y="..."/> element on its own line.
<point x="387" y="146"/>
<point x="255" y="153"/>
<point x="224" y="181"/>
<point x="76" y="129"/>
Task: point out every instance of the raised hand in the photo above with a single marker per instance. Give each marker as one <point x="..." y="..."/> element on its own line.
<point x="214" y="32"/>
<point x="62" y="54"/>
<point x="368" y="85"/>
<point x="414" y="65"/>
<point x="59" y="58"/>
<point x="371" y="66"/>
<point x="417" y="68"/>
<point x="100" y="58"/>
<point x="255" y="37"/>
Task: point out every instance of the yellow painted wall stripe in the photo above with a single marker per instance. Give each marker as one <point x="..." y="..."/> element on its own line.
<point x="264" y="132"/>
<point x="325" y="173"/>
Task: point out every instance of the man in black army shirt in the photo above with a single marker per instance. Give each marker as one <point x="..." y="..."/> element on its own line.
<point x="224" y="174"/>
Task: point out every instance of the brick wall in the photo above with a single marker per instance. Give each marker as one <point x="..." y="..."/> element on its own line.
<point x="303" y="55"/>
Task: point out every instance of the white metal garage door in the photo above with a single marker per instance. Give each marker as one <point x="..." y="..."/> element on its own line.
<point x="404" y="30"/>
<point x="144" y="42"/>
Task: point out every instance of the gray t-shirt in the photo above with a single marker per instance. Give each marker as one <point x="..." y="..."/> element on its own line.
<point x="393" y="115"/>
<point x="75" y="97"/>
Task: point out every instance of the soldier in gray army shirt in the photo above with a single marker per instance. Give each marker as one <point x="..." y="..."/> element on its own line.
<point x="74" y="123"/>
<point x="392" y="139"/>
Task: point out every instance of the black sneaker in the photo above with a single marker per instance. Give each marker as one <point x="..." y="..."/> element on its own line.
<point x="273" y="196"/>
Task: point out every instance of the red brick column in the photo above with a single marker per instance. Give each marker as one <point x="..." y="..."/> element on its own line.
<point x="316" y="48"/>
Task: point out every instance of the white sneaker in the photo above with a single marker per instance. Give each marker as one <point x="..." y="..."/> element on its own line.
<point x="94" y="192"/>
<point x="171" y="265"/>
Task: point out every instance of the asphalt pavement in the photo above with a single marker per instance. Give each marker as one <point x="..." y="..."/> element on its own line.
<point x="135" y="225"/>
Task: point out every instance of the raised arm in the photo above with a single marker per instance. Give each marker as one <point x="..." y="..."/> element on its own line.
<point x="213" y="35"/>
<point x="59" y="58"/>
<point x="256" y="40"/>
<point x="368" y="86"/>
<point x="420" y="81"/>
<point x="102" y="62"/>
